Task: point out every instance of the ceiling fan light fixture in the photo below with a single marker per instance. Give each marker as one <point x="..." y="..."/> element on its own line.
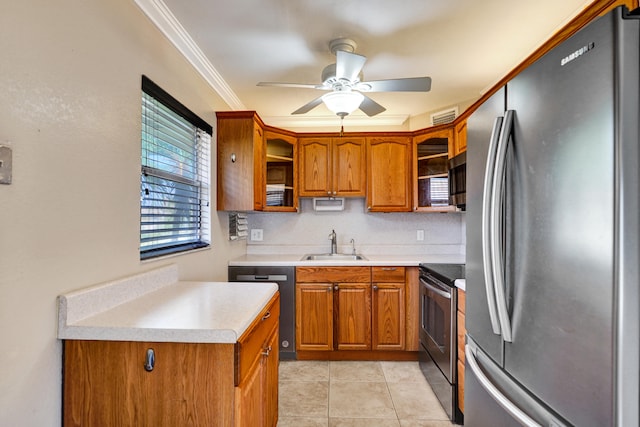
<point x="343" y="103"/>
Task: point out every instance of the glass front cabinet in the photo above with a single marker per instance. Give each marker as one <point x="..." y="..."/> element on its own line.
<point x="431" y="171"/>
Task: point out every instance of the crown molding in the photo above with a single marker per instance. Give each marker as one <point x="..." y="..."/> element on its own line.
<point x="158" y="12"/>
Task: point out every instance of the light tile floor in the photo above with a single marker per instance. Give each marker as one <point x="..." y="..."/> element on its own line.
<point x="356" y="394"/>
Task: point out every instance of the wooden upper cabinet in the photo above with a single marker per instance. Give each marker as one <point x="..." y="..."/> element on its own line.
<point x="431" y="152"/>
<point x="460" y="138"/>
<point x="389" y="173"/>
<point x="280" y="172"/>
<point x="257" y="165"/>
<point x="332" y="166"/>
<point x="239" y="161"/>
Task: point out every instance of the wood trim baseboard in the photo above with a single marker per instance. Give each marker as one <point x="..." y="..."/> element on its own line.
<point x="358" y="355"/>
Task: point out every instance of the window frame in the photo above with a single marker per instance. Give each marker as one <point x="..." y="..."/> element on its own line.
<point x="201" y="181"/>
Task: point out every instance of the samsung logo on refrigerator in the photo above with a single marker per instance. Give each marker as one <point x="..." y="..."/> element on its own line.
<point x="578" y="53"/>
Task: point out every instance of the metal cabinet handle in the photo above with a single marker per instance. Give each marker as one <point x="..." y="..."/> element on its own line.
<point x="375" y="287"/>
<point x="389" y="268"/>
<point x="336" y="288"/>
<point x="150" y="360"/>
<point x="266" y="316"/>
<point x="267" y="351"/>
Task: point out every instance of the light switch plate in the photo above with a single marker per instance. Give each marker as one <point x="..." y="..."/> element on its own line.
<point x="6" y="166"/>
<point x="256" y="234"/>
<point x="420" y="235"/>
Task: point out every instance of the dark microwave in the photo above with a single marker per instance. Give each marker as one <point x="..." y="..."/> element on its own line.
<point x="458" y="180"/>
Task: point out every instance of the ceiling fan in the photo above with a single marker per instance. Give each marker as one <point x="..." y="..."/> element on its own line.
<point x="343" y="80"/>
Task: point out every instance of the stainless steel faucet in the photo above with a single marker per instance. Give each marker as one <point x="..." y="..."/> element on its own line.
<point x="334" y="245"/>
<point x="353" y="246"/>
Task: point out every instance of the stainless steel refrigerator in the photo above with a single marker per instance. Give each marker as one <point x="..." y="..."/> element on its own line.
<point x="552" y="238"/>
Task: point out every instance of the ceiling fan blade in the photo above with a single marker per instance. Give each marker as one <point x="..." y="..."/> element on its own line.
<point x="349" y="65"/>
<point x="308" y="106"/>
<point x="371" y="107"/>
<point x="412" y="84"/>
<point x="298" y="85"/>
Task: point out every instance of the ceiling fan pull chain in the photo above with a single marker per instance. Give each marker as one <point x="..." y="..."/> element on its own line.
<point x="341" y="126"/>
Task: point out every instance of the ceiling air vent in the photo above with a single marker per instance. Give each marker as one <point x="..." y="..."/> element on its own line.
<point x="444" y="117"/>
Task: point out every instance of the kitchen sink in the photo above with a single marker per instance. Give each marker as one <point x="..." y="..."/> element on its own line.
<point x="333" y="257"/>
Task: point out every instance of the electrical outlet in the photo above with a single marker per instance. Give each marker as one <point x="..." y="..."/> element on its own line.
<point x="419" y="235"/>
<point x="5" y="165"/>
<point x="256" y="234"/>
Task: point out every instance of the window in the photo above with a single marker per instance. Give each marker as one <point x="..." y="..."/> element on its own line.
<point x="174" y="181"/>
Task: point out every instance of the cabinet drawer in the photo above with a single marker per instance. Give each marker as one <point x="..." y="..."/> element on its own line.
<point x="251" y="344"/>
<point x="387" y="274"/>
<point x="462" y="301"/>
<point x="333" y="274"/>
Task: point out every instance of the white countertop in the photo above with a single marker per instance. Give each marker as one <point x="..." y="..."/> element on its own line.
<point x="198" y="312"/>
<point x="372" y="260"/>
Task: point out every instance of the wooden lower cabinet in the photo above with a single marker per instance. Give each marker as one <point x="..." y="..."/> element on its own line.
<point x="352" y="316"/>
<point x="105" y="383"/>
<point x="389" y="305"/>
<point x="314" y="316"/>
<point x="257" y="395"/>
<point x="461" y="341"/>
<point x="351" y="308"/>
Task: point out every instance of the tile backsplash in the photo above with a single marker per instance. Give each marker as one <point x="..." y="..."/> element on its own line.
<point x="374" y="233"/>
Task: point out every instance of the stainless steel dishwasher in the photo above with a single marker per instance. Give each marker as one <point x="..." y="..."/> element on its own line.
<point x="285" y="277"/>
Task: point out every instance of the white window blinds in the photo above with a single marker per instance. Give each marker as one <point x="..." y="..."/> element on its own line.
<point x="174" y="202"/>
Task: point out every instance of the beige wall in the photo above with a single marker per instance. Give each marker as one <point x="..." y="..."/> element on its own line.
<point x="70" y="110"/>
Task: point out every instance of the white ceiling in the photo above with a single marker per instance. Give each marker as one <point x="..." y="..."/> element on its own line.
<point x="465" y="46"/>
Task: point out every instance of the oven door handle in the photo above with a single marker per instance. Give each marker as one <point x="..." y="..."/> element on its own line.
<point x="432" y="288"/>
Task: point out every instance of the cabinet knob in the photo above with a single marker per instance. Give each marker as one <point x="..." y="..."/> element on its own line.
<point x="328" y="193"/>
<point x="329" y="289"/>
<point x="150" y="360"/>
<point x="368" y="208"/>
<point x="334" y="193"/>
<point x="375" y="287"/>
<point x="336" y="288"/>
<point x="233" y="157"/>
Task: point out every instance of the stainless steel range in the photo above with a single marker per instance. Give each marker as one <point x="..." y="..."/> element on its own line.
<point x="438" y="332"/>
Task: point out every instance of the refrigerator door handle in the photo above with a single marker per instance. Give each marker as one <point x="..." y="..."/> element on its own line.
<point x="489" y="177"/>
<point x="493" y="391"/>
<point x="497" y="232"/>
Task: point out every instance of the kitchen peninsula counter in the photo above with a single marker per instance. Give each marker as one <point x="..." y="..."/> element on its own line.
<point x="155" y="306"/>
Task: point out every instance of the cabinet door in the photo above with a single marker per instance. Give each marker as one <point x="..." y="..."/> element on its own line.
<point x="349" y="178"/>
<point x="249" y="398"/>
<point x="314" y="316"/>
<point x="105" y="384"/>
<point x="239" y="161"/>
<point x="460" y="138"/>
<point x="389" y="174"/>
<point x="353" y="318"/>
<point x="388" y="316"/>
<point x="271" y="361"/>
<point x="280" y="175"/>
<point x="315" y="167"/>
